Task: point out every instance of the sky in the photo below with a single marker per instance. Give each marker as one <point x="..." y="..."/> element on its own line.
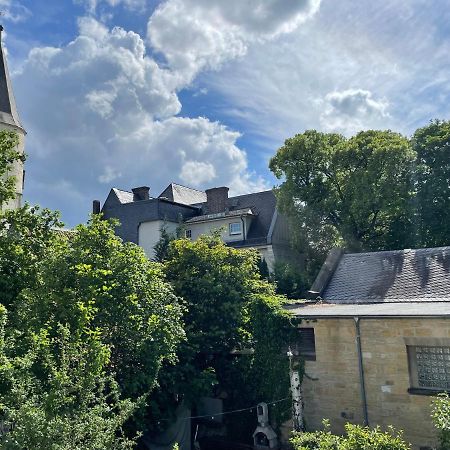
<point x="125" y="93"/>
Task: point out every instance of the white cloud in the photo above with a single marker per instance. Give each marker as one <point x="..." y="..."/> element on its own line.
<point x="352" y="110"/>
<point x="14" y="12"/>
<point x="92" y="5"/>
<point x="99" y="110"/>
<point x="202" y="34"/>
<point x="109" y="174"/>
<point x="197" y="173"/>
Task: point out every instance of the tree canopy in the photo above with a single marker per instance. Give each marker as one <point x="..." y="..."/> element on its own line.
<point x="8" y="156"/>
<point x="90" y="323"/>
<point x="229" y="309"/>
<point x="377" y="190"/>
<point x="355" y="191"/>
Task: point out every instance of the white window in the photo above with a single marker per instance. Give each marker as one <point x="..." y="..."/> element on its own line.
<point x="188" y="234"/>
<point x="235" y="228"/>
<point x="429" y="367"/>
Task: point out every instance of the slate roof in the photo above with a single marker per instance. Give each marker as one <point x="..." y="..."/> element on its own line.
<point x="421" y="275"/>
<point x="178" y="200"/>
<point x="8" y="109"/>
<point x="123" y="196"/>
<point x="263" y="206"/>
<point x="235" y="213"/>
<point x="183" y="194"/>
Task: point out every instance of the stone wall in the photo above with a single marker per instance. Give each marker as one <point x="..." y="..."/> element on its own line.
<point x="336" y="392"/>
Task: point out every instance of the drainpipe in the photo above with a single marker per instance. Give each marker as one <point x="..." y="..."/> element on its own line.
<point x="361" y="371"/>
<point x="243" y="228"/>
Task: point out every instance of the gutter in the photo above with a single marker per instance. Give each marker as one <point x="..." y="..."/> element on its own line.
<point x="361" y="371"/>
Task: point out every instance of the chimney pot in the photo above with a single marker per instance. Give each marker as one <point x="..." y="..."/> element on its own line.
<point x="96" y="207"/>
<point x="216" y="199"/>
<point x="141" y="193"/>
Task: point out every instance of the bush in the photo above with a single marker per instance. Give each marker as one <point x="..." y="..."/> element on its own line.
<point x="441" y="419"/>
<point x="356" y="438"/>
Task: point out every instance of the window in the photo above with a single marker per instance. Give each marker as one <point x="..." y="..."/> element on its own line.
<point x="235" y="228"/>
<point x="429" y="367"/>
<point x="305" y="345"/>
<point x="188" y="234"/>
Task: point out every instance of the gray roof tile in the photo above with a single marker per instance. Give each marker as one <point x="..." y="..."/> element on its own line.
<point x="182" y="194"/>
<point x="391" y="276"/>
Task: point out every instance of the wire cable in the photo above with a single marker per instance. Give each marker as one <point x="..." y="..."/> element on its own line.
<point x="230" y="412"/>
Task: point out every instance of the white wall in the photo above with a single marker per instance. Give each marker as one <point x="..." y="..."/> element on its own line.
<point x="209" y="227"/>
<point x="17" y="169"/>
<point x="150" y="232"/>
<point x="266" y="252"/>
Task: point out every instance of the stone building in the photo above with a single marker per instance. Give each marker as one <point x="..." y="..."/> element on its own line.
<point x="377" y="341"/>
<point x="244" y="221"/>
<point x="9" y="120"/>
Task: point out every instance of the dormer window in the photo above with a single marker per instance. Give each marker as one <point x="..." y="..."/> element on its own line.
<point x="235" y="228"/>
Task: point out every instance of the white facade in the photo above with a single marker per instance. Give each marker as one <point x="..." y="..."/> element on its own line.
<point x="150" y="233"/>
<point x="223" y="224"/>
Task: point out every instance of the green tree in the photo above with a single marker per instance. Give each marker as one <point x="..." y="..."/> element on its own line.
<point x="106" y="297"/>
<point x="27" y="236"/>
<point x="432" y="144"/>
<point x="229" y="310"/>
<point x="351" y="192"/>
<point x="8" y="156"/>
<point x="57" y="395"/>
<point x="94" y="276"/>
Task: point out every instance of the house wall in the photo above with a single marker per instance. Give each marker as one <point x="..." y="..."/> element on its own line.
<point x="209" y="227"/>
<point x="336" y="393"/>
<point x="131" y="215"/>
<point x="266" y="252"/>
<point x="150" y="233"/>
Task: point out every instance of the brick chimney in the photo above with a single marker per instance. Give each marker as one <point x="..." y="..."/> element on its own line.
<point x="141" y="193"/>
<point x="96" y="207"/>
<point x="216" y="199"/>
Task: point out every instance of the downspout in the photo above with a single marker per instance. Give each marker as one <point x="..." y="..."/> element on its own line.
<point x="243" y="228"/>
<point x="361" y="371"/>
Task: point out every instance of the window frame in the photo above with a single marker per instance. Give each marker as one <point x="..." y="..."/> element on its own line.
<point x="298" y="348"/>
<point x="411" y="352"/>
<point x="234" y="233"/>
<point x="188" y="234"/>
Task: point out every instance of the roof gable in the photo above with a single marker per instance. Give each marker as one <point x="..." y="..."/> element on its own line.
<point x="391" y="276"/>
<point x="182" y="194"/>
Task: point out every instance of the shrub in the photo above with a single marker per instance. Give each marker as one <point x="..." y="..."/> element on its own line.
<point x="356" y="438"/>
<point x="441" y="419"/>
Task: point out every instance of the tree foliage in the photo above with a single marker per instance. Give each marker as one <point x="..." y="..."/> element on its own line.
<point x="441" y="419"/>
<point x="356" y="438"/>
<point x="354" y="191"/>
<point x="432" y="145"/>
<point x="229" y="309"/>
<point x="8" y="156"/>
<point x="91" y="321"/>
<point x="56" y="395"/>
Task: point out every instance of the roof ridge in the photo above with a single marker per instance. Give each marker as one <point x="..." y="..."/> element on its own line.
<point x="398" y="251"/>
<point x="187" y="187"/>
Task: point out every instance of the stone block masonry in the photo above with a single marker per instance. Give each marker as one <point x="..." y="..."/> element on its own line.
<point x="335" y="395"/>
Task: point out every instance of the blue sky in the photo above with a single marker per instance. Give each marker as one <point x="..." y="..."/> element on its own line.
<point x="202" y="92"/>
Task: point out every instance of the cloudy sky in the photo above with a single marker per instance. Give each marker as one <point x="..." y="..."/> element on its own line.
<point x="126" y="93"/>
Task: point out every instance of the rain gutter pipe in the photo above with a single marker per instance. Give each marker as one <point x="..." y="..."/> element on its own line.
<point x="361" y="371"/>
